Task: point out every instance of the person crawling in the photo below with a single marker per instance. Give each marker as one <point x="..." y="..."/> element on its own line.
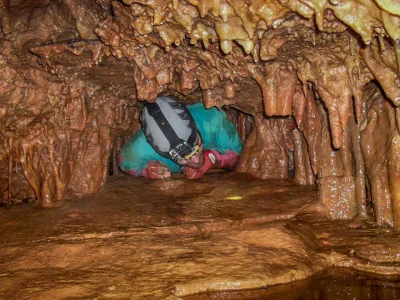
<point x="180" y="139"/>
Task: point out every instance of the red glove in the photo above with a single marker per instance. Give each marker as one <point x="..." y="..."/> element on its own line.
<point x="155" y="170"/>
<point x="225" y="161"/>
<point x="209" y="161"/>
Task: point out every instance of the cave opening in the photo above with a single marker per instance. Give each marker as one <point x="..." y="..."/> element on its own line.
<point x="312" y="89"/>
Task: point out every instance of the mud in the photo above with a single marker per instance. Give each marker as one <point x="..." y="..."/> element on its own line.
<point x="166" y="239"/>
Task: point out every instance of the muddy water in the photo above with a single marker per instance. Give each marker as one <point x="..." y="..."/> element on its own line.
<point x="334" y="284"/>
<point x="351" y="287"/>
<point x="144" y="239"/>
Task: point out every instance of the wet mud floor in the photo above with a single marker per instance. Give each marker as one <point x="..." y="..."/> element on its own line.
<point x="171" y="239"/>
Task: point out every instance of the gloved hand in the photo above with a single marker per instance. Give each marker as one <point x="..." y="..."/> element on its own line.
<point x="225" y="161"/>
<point x="155" y="170"/>
<point x="209" y="161"/>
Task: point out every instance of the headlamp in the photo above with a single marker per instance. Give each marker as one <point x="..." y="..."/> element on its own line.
<point x="195" y="149"/>
<point x="183" y="151"/>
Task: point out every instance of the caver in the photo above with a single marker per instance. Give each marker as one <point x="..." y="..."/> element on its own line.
<point x="176" y="138"/>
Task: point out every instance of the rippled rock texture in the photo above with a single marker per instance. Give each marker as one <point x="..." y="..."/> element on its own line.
<point x="223" y="232"/>
<point x="313" y="84"/>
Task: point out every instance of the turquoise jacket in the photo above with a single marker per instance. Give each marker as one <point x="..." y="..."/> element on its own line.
<point x="216" y="131"/>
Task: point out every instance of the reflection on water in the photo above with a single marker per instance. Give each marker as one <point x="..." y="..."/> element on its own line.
<point x="328" y="286"/>
<point x="351" y="287"/>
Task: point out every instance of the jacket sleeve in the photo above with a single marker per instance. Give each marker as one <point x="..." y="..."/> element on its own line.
<point x="226" y="160"/>
<point x="137" y="153"/>
<point x="134" y="155"/>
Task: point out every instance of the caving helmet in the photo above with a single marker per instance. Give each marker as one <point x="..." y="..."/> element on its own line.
<point x="170" y="129"/>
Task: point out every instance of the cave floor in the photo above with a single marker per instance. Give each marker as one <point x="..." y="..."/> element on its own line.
<point x="146" y="239"/>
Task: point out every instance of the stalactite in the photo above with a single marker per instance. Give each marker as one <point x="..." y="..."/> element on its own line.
<point x="233" y="116"/>
<point x="360" y="180"/>
<point x="242" y="121"/>
<point x="303" y="171"/>
<point x="10" y="167"/>
<point x="48" y="189"/>
<point x="385" y="69"/>
<point x="378" y="137"/>
<point x="31" y="171"/>
<point x="345" y="154"/>
<point x="311" y="127"/>
<point x="264" y="151"/>
<point x="394" y="171"/>
<point x="114" y="164"/>
<point x="242" y="124"/>
<point x="277" y="83"/>
<point x="394" y="175"/>
<point x="335" y="181"/>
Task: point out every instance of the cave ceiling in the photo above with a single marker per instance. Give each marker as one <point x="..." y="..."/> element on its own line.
<point x="212" y="48"/>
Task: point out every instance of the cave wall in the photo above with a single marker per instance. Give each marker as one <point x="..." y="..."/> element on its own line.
<point x="56" y="128"/>
<point x="58" y="135"/>
<point x="380" y="142"/>
<point x="74" y="70"/>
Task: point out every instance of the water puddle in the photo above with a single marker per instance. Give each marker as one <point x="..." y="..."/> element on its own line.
<point x="338" y="284"/>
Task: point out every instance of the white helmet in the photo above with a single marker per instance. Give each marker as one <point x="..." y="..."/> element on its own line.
<point x="170" y="129"/>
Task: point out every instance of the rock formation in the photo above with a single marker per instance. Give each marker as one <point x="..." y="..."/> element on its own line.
<point x="319" y="78"/>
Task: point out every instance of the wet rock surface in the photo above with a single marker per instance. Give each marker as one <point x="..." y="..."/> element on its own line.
<point x="312" y="87"/>
<point x="74" y="73"/>
<point x="139" y="238"/>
